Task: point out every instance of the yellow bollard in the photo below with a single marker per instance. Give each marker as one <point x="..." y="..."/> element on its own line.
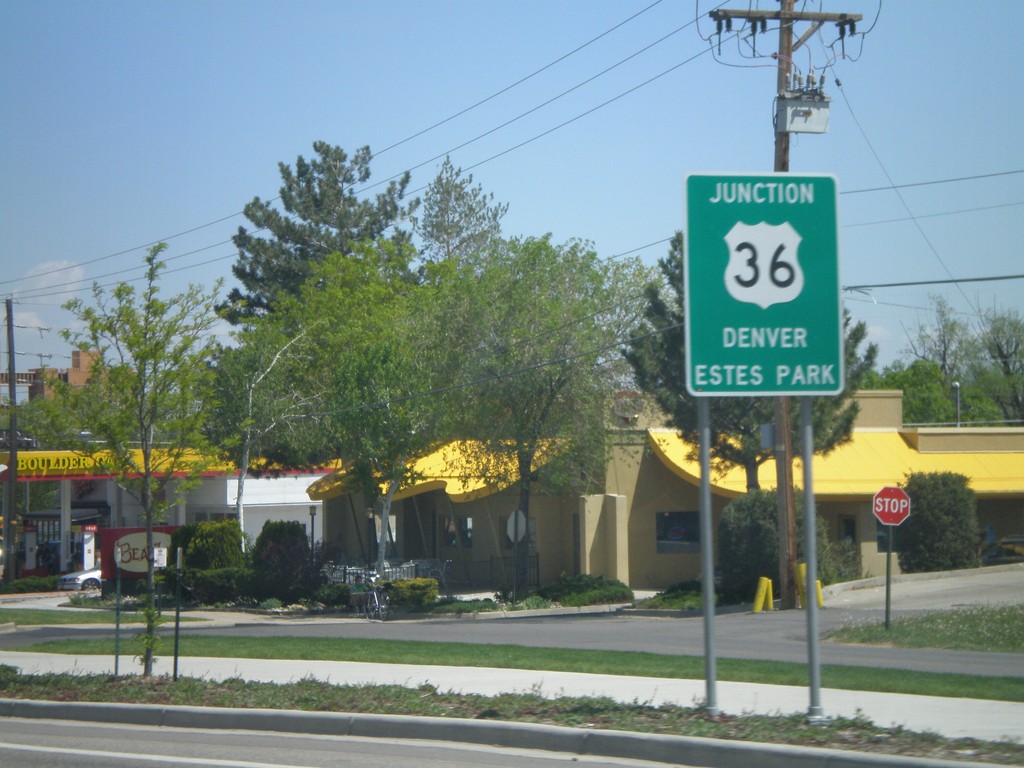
<point x="801" y="580"/>
<point x="764" y="600"/>
<point x="801" y="587"/>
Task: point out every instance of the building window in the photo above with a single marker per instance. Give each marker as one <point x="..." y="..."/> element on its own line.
<point x="848" y="529"/>
<point x="457" y="531"/>
<point x="678" y="532"/>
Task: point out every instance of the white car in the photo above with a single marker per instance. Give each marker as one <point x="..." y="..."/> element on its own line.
<point x="80" y="580"/>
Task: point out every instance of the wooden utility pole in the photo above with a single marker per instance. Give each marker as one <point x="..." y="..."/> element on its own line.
<point x="10" y="494"/>
<point x="785" y="16"/>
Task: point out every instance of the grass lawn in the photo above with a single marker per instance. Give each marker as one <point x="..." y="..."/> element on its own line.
<point x="564" y="660"/>
<point x="998" y="628"/>
<point x="26" y="617"/>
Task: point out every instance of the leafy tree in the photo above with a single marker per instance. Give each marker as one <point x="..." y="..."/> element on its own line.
<point x="258" y="409"/>
<point x="370" y="362"/>
<point x="1002" y="338"/>
<point x="147" y="397"/>
<point x="657" y="355"/>
<point x="537" y="327"/>
<point x="458" y="219"/>
<point x="322" y="214"/>
<point x="942" y="533"/>
<point x="985" y="362"/>
<point x="948" y="343"/>
<point x="926" y="398"/>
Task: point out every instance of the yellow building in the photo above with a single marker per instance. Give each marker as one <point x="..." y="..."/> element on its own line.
<point x="644" y="530"/>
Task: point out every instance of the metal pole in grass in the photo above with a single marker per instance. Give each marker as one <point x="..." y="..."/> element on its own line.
<point x="117" y="610"/>
<point x="707" y="555"/>
<point x="177" y="612"/>
<point x="888" y="578"/>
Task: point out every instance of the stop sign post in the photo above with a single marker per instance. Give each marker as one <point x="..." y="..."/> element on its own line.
<point x="891" y="506"/>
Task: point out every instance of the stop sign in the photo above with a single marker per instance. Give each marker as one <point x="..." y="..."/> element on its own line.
<point x="891" y="505"/>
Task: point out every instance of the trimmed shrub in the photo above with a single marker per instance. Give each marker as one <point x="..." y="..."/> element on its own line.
<point x="215" y="544"/>
<point x="332" y="595"/>
<point x="941" y="533"/>
<point x="30" y="584"/>
<point x="748" y="545"/>
<point x="586" y="589"/>
<point x="282" y="566"/>
<point x="220" y="585"/>
<point x="415" y="593"/>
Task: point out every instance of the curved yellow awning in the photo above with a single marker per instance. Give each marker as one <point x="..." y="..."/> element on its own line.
<point x="857" y="469"/>
<point x="444" y="469"/>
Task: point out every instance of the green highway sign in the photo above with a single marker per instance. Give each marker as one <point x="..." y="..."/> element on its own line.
<point x="763" y="315"/>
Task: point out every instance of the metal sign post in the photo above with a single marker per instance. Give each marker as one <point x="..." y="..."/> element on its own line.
<point x="763" y="318"/>
<point x="814" y="711"/>
<point x="707" y="566"/>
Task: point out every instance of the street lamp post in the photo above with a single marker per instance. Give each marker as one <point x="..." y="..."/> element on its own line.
<point x="956" y="388"/>
<point x="369" y="536"/>
<point x="312" y="523"/>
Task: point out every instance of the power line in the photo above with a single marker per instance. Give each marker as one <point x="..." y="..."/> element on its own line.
<point x="933" y="282"/>
<point x="903" y="202"/>
<point x="392" y="146"/>
<point x="519" y="82"/>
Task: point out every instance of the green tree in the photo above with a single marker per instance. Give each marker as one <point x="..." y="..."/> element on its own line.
<point x="147" y="397"/>
<point x="322" y="213"/>
<point x="657" y="354"/>
<point x="1002" y="338"/>
<point x="458" y="219"/>
<point x="537" y="328"/>
<point x="926" y="398"/>
<point x="258" y="409"/>
<point x="948" y="342"/>
<point x="942" y="531"/>
<point x="371" y="361"/>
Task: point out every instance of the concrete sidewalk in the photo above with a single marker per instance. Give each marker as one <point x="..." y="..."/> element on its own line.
<point x="952" y="718"/>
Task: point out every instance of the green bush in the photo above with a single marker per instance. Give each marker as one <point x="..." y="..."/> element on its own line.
<point x="282" y="564"/>
<point x="941" y="533"/>
<point x="748" y="547"/>
<point x="215" y="544"/>
<point x="586" y="589"/>
<point x="683" y="596"/>
<point x="415" y="593"/>
<point x="333" y="595"/>
<point x="30" y="584"/>
<point x="220" y="585"/>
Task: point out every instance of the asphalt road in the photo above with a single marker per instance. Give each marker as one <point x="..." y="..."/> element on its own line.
<point x="776" y="635"/>
<point x="35" y="743"/>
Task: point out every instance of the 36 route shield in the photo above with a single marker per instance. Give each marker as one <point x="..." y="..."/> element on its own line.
<point x="763" y="315"/>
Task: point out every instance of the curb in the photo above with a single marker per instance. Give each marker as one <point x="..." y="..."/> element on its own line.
<point x="693" y="750"/>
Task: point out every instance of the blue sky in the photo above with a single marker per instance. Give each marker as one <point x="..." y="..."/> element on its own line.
<point x="127" y="123"/>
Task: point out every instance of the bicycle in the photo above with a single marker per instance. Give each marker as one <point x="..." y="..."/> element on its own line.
<point x="377" y="603"/>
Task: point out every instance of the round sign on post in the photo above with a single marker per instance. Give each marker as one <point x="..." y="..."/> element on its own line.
<point x="891" y="505"/>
